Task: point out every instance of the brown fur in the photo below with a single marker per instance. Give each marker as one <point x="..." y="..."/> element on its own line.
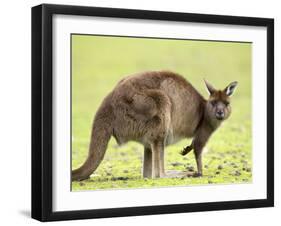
<point x="156" y="109"/>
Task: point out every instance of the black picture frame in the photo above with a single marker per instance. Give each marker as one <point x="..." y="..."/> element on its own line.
<point x="42" y="107"/>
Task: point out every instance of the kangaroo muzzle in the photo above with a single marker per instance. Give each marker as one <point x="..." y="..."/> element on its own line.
<point x="220" y="114"/>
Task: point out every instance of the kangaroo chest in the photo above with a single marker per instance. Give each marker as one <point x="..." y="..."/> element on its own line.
<point x="185" y="110"/>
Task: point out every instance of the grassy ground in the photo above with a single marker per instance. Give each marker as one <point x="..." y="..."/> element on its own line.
<point x="98" y="63"/>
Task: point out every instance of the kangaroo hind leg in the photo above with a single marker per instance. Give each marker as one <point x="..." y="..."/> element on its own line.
<point x="147" y="163"/>
<point x="158" y="159"/>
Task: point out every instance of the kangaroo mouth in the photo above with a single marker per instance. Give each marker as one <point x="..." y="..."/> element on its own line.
<point x="220" y="118"/>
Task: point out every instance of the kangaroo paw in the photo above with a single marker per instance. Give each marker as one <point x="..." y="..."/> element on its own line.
<point x="186" y="150"/>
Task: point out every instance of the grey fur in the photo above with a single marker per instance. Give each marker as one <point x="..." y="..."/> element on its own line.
<point x="156" y="109"/>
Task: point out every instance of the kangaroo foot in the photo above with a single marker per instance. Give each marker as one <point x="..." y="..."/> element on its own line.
<point x="193" y="174"/>
<point x="174" y="174"/>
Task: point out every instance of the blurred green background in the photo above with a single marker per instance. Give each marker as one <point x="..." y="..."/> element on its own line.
<point x="99" y="62"/>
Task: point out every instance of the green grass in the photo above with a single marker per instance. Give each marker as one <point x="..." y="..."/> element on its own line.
<point x="98" y="63"/>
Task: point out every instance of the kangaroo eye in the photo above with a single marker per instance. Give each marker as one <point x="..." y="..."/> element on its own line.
<point x="226" y="103"/>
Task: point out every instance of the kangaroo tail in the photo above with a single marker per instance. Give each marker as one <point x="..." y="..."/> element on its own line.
<point x="101" y="133"/>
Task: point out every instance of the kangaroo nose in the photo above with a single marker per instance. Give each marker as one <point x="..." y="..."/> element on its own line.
<point x="220" y="114"/>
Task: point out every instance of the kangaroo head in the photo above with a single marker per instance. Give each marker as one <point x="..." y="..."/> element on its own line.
<point x="218" y="105"/>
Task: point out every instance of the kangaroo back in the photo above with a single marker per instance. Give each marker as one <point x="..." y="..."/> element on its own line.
<point x="101" y="133"/>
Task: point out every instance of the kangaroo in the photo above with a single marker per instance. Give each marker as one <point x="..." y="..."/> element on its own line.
<point x="156" y="109"/>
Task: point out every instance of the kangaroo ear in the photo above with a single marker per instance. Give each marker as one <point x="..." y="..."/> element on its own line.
<point x="229" y="90"/>
<point x="210" y="88"/>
